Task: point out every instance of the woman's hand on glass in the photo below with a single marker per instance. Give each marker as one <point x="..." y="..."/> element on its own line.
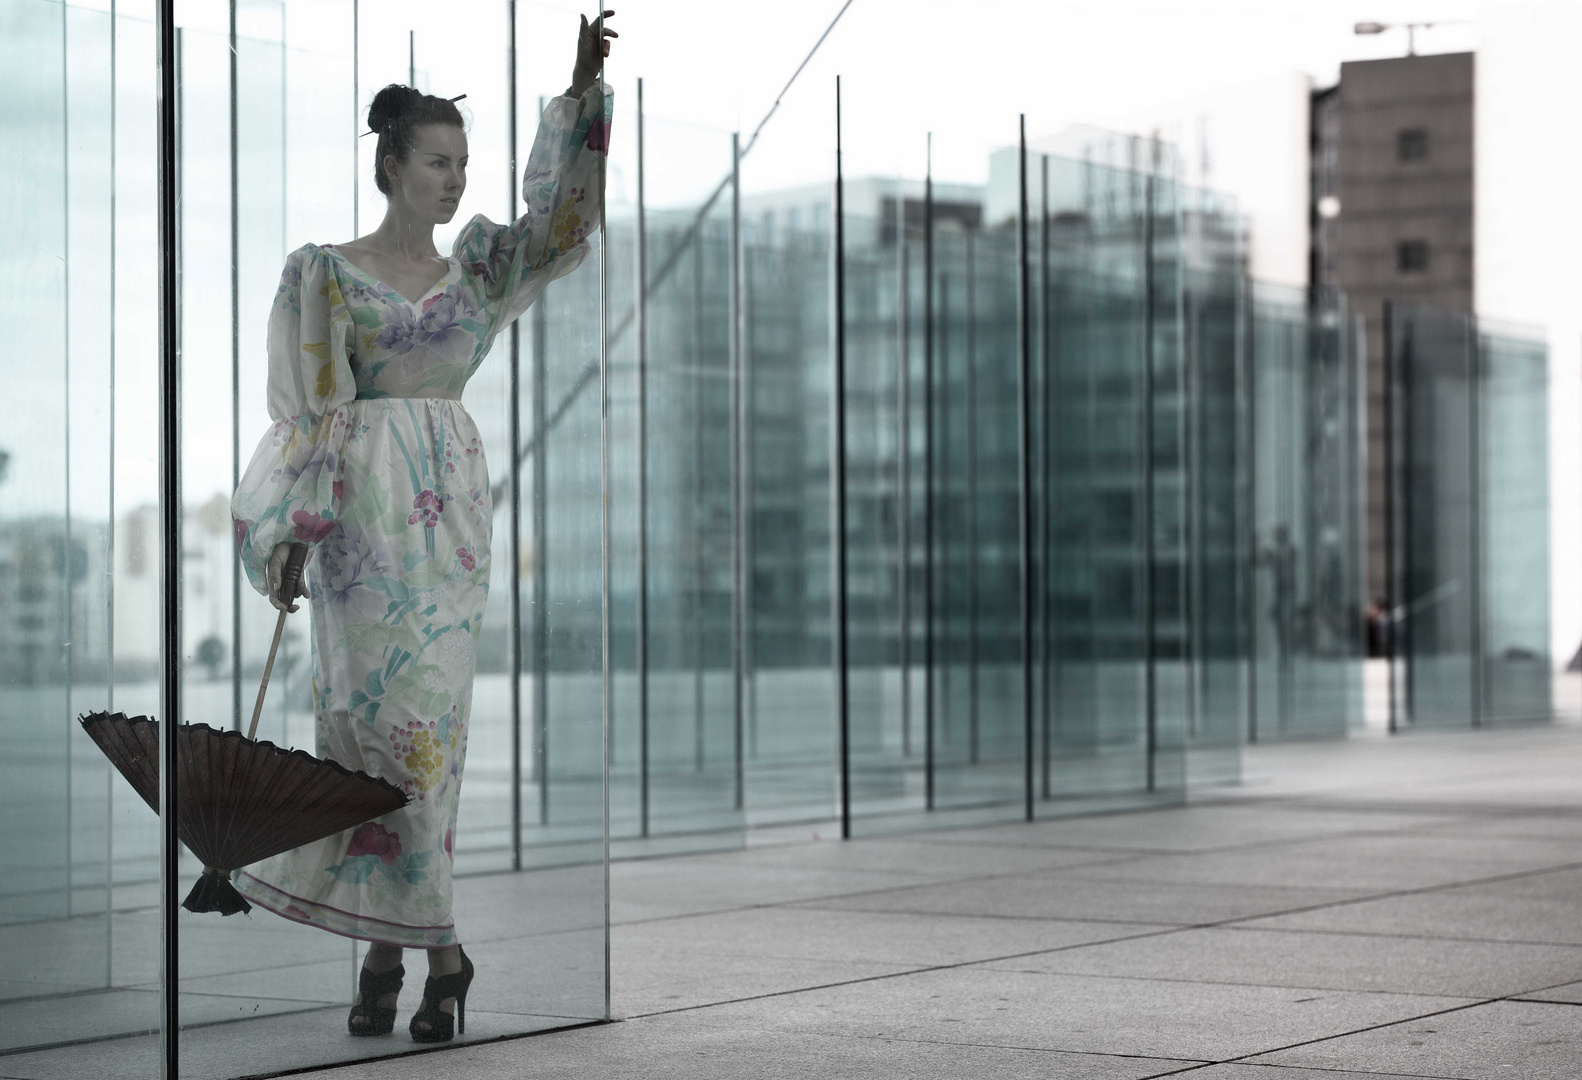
<point x="277" y="565"/>
<point x="592" y="47"/>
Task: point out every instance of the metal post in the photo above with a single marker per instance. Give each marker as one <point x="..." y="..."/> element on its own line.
<point x="65" y="400"/>
<point x="236" y="376"/>
<point x="1392" y="592"/>
<point x="604" y="515"/>
<point x="903" y="478"/>
<point x="356" y="124"/>
<point x="1192" y="563"/>
<point x="947" y="510"/>
<point x="540" y="330"/>
<point x="700" y="611"/>
<point x="110" y="773"/>
<point x="1475" y="501"/>
<point x="642" y="480"/>
<point x="1047" y="450"/>
<point x="839" y="652"/>
<point x="1150" y="678"/>
<point x="1024" y="457"/>
<point x="738" y="502"/>
<point x="411" y="58"/>
<point x="747" y="467"/>
<point x="1247" y="577"/>
<point x="928" y="479"/>
<point x="515" y="416"/>
<point x="166" y="60"/>
<point x="1282" y="563"/>
<point x="971" y="405"/>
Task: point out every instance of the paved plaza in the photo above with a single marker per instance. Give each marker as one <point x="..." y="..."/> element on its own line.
<point x="1373" y="908"/>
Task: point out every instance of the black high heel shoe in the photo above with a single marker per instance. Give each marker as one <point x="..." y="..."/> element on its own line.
<point x="366" y="1017"/>
<point x="436" y="990"/>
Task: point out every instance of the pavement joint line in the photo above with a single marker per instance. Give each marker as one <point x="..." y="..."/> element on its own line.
<point x="1005" y="1046"/>
<point x="1516" y="875"/>
<point x="418" y="1051"/>
<point x="924" y="970"/>
<point x="1405" y="936"/>
<point x="1469" y="811"/>
<point x="1227" y="923"/>
<point x="845" y="895"/>
<point x="1244" y="1058"/>
<point x="1227" y="982"/>
<point x="1317" y="1068"/>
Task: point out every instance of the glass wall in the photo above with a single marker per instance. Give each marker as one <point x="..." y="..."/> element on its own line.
<point x="1304" y="622"/>
<point x="1470" y="521"/>
<point x="834" y="501"/>
<point x="269" y="102"/>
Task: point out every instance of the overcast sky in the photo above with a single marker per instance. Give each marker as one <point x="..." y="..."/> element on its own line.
<point x="966" y="70"/>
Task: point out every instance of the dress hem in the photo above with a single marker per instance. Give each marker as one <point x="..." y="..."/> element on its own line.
<point x="341" y="923"/>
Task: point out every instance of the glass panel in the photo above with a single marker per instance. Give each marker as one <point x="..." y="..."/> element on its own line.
<point x="979" y="742"/>
<point x="790" y="744"/>
<point x="1327" y="642"/>
<point x="1216" y="464"/>
<point x="80" y="545"/>
<point x="692" y="784"/>
<point x="1514" y="438"/>
<point x="1305" y="623"/>
<point x="1097" y="742"/>
<point x="77" y="936"/>
<point x="1437" y="579"/>
<point x="879" y="739"/>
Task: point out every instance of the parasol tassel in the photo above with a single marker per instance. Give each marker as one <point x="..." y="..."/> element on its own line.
<point x="214" y="892"/>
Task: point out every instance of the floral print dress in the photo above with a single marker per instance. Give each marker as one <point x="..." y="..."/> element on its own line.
<point x="374" y="462"/>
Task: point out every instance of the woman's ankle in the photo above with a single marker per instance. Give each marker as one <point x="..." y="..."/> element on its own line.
<point x="382" y="958"/>
<point x="444" y="961"/>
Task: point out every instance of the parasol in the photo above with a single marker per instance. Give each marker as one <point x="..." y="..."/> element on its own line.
<point x="239" y="800"/>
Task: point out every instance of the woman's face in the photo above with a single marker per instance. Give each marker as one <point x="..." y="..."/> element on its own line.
<point x="430" y="184"/>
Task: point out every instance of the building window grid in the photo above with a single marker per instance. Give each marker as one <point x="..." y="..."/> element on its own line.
<point x="1411" y="256"/>
<point x="1411" y="144"/>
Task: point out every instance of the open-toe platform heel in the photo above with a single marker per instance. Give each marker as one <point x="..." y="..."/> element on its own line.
<point x="366" y="1017"/>
<point x="430" y="1024"/>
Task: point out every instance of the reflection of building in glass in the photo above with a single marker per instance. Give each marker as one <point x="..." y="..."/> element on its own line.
<point x="1392" y="210"/>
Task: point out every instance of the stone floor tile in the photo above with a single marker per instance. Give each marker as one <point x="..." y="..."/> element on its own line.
<point x="1153" y="1018"/>
<point x="1566" y="993"/>
<point x="1236" y="1071"/>
<point x="661" y="888"/>
<point x="657" y="980"/>
<point x="922" y="857"/>
<point x="680" y="1047"/>
<point x="1369" y="863"/>
<point x="1194" y="828"/>
<point x="1541" y="907"/>
<point x="1494" y="1041"/>
<point x="1062" y="895"/>
<point x="808" y="933"/>
<point x="1324" y="961"/>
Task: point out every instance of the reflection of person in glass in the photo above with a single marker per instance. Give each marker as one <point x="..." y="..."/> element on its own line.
<point x="1280" y="557"/>
<point x="374" y="462"/>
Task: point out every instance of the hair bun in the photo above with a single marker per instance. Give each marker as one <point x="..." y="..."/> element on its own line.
<point x="389" y="105"/>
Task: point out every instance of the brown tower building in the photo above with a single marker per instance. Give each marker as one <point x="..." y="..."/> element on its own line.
<point x="1393" y="212"/>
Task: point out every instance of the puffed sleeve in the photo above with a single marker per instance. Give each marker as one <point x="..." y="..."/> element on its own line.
<point x="291" y="489"/>
<point x="562" y="188"/>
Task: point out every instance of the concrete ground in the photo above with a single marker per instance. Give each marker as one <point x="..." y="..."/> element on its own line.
<point x="1376" y="908"/>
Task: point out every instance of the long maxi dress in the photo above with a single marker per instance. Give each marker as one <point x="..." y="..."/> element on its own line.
<point x="373" y="460"/>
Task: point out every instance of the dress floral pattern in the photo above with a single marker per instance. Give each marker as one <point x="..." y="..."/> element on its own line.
<point x="374" y="462"/>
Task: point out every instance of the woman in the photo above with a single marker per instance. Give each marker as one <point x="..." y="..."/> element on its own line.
<point x="374" y="462"/>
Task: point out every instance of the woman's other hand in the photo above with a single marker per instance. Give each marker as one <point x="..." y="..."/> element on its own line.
<point x="592" y="47"/>
<point x="277" y="565"/>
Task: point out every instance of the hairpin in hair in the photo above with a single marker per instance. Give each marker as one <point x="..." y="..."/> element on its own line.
<point x="458" y="97"/>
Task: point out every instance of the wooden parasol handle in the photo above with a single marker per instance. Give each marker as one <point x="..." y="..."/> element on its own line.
<point x="289" y="577"/>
